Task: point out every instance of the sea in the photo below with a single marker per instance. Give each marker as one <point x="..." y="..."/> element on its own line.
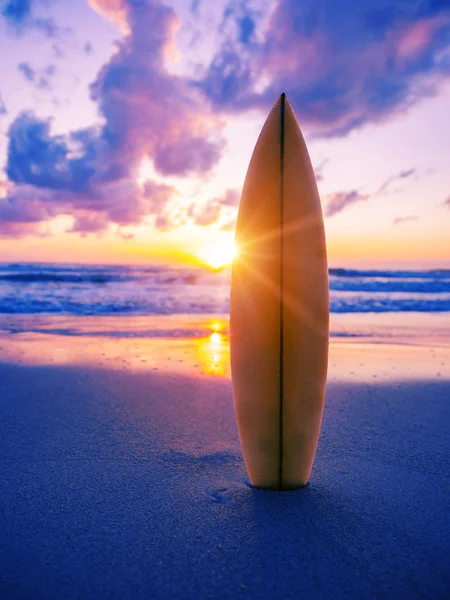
<point x="56" y="289"/>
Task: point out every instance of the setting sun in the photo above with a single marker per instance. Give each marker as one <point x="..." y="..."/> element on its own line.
<point x="218" y="256"/>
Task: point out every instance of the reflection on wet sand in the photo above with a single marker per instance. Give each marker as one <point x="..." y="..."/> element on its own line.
<point x="199" y="346"/>
<point x="204" y="350"/>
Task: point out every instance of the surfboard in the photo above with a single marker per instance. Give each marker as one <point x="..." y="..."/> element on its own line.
<point x="279" y="308"/>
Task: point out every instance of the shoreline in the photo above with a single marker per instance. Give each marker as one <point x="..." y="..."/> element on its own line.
<point x="394" y="347"/>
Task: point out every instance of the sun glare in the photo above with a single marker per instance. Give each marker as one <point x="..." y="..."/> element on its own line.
<point x="218" y="256"/>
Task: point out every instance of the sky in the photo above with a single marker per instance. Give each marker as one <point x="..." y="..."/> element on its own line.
<point x="126" y="126"/>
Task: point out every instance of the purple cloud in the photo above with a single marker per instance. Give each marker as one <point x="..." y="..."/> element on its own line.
<point x="16" y="11"/>
<point x="230" y="198"/>
<point x="342" y="64"/>
<point x="88" y="48"/>
<point x="398" y="177"/>
<point x="340" y="200"/>
<point x="40" y="79"/>
<point x="89" y="222"/>
<point x="22" y="212"/>
<point x="19" y="16"/>
<point x="211" y="211"/>
<point x="3" y="110"/>
<point x="148" y="112"/>
<point x="207" y="215"/>
<point x="446" y="202"/>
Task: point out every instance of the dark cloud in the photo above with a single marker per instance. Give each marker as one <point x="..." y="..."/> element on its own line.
<point x="19" y="14"/>
<point x="37" y="158"/>
<point x="91" y="173"/>
<point x="342" y="64"/>
<point x="340" y="200"/>
<point x="399" y="220"/>
<point x="16" y="11"/>
<point x="446" y="202"/>
<point x="26" y="71"/>
<point x="393" y="178"/>
<point x="39" y="78"/>
<point x="240" y="18"/>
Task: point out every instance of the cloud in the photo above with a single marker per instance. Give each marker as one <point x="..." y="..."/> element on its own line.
<point x="208" y="215"/>
<point x="51" y="175"/>
<point x="40" y="79"/>
<point x="3" y="110"/>
<point x="393" y="178"/>
<point x="88" y="48"/>
<point x="17" y="11"/>
<point x="230" y="198"/>
<point x="147" y="113"/>
<point x="446" y="202"/>
<point x="211" y="211"/>
<point x="37" y="158"/>
<point x="89" y="222"/>
<point x="340" y="200"/>
<point x="318" y="171"/>
<point x="18" y="14"/>
<point x="22" y="212"/>
<point x="399" y="220"/>
<point x="342" y="64"/>
<point x="243" y="19"/>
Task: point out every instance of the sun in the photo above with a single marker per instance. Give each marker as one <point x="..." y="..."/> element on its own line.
<point x="218" y="256"/>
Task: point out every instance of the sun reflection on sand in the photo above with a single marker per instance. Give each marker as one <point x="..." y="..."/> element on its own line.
<point x="198" y="346"/>
<point x="201" y="349"/>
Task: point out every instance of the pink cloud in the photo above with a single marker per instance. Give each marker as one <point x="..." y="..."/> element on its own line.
<point x="148" y="112"/>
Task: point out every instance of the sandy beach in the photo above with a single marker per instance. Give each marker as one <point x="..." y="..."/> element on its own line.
<point x="123" y="477"/>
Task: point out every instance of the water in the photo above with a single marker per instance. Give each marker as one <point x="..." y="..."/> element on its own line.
<point x="38" y="289"/>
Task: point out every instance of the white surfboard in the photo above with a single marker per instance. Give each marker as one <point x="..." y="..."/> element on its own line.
<point x="279" y="308"/>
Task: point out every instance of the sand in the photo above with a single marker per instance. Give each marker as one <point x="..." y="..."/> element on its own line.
<point x="122" y="481"/>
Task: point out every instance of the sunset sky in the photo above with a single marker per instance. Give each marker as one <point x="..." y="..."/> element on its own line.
<point x="126" y="126"/>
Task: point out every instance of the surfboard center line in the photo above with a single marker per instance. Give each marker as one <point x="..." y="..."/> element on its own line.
<point x="281" y="389"/>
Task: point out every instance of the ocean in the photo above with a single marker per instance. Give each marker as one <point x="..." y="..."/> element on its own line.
<point x="55" y="289"/>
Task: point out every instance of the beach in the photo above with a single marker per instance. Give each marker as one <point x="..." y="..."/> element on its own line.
<point x="175" y="175"/>
<point x="123" y="476"/>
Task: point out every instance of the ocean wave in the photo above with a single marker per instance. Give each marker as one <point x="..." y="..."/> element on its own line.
<point x="428" y="274"/>
<point x="162" y="304"/>
<point x="153" y="290"/>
